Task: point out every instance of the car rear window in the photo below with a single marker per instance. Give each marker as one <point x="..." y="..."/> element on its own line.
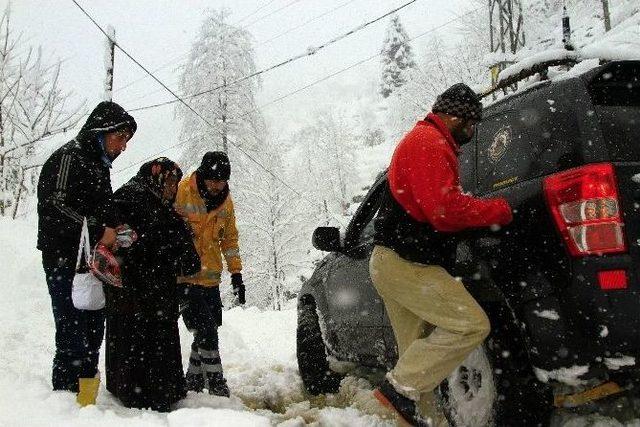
<point x="616" y="96"/>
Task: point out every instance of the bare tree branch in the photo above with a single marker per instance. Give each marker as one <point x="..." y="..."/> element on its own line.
<point x="32" y="109"/>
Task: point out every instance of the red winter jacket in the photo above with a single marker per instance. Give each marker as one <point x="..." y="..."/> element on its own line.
<point x="424" y="180"/>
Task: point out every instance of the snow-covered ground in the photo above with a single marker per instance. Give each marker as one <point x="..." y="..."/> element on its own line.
<point x="258" y="353"/>
<point x="258" y="350"/>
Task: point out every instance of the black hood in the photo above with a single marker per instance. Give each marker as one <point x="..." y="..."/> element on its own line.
<point x="106" y="117"/>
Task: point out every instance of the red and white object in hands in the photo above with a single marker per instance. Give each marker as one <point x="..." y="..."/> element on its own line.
<point x="105" y="266"/>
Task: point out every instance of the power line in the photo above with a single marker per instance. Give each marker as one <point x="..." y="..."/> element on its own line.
<point x="310" y="51"/>
<point x="184" y="55"/>
<point x="354" y="65"/>
<point x="182" y="101"/>
<point x="145" y="95"/>
<point x="271" y="13"/>
<point x="160" y="68"/>
<point x="255" y="11"/>
<point x="173" y="61"/>
<point x="327" y="77"/>
<point x="315" y="18"/>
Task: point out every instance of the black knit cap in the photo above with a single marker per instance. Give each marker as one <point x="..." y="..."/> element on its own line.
<point x="215" y="165"/>
<point x="459" y="101"/>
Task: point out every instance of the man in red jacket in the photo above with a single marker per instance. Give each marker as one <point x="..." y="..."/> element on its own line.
<point x="437" y="323"/>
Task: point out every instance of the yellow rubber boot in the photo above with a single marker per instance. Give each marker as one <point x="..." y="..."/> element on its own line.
<point x="88" y="390"/>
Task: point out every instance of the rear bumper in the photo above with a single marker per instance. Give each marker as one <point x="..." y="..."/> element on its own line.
<point x="585" y="334"/>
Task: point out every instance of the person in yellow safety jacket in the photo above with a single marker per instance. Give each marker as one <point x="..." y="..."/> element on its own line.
<point x="205" y="201"/>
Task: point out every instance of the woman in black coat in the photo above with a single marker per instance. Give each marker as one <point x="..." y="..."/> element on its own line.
<point x="143" y="358"/>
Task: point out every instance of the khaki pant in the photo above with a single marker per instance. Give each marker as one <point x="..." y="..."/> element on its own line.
<point x="437" y="323"/>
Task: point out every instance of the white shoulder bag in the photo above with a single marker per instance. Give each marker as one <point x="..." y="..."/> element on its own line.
<point x="87" y="292"/>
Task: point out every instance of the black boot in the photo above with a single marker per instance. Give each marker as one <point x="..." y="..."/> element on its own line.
<point x="195" y="382"/>
<point x="405" y="407"/>
<point x="218" y="385"/>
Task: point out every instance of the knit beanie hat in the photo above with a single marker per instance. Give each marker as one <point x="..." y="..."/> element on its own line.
<point x="215" y="165"/>
<point x="459" y="101"/>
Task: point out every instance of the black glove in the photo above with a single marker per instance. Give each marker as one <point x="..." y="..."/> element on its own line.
<point x="238" y="287"/>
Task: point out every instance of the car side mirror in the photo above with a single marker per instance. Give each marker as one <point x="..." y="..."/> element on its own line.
<point x="327" y="239"/>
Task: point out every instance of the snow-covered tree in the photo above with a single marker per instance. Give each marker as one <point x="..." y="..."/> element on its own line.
<point x="372" y="137"/>
<point x="221" y="55"/>
<point x="397" y="57"/>
<point x="267" y="219"/>
<point x="439" y="66"/>
<point x="272" y="225"/>
<point x="324" y="155"/>
<point x="33" y="108"/>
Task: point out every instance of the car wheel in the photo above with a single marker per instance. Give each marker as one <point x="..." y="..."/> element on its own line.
<point x="495" y="385"/>
<point x="312" y="354"/>
<point x="469" y="394"/>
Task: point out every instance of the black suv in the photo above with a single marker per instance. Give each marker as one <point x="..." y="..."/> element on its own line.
<point x="561" y="284"/>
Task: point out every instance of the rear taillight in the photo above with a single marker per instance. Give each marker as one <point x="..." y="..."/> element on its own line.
<point x="585" y="207"/>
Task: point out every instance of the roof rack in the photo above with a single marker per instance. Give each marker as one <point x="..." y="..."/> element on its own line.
<point x="541" y="68"/>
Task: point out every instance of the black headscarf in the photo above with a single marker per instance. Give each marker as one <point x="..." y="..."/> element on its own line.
<point x="154" y="174"/>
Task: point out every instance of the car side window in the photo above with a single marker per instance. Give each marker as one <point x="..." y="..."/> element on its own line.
<point x="367" y="233"/>
<point x="361" y="228"/>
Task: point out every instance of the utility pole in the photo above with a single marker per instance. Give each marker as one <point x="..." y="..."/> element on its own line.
<point x="109" y="56"/>
<point x="506" y="32"/>
<point x="605" y="13"/>
<point x="566" y="30"/>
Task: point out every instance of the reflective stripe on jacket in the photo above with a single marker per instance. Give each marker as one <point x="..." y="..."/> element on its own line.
<point x="215" y="233"/>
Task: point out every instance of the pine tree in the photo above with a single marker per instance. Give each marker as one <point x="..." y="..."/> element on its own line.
<point x="397" y="57"/>
<point x="221" y="55"/>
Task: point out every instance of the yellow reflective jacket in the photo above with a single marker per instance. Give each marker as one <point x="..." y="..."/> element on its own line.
<point x="215" y="234"/>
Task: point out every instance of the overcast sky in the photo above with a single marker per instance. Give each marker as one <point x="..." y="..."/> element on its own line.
<point x="160" y="32"/>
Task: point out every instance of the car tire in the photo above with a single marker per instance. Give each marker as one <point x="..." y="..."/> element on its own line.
<point x="312" y="354"/>
<point x="495" y="386"/>
<point x="468" y="395"/>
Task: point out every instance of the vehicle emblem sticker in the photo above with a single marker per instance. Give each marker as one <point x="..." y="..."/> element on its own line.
<point x="498" y="147"/>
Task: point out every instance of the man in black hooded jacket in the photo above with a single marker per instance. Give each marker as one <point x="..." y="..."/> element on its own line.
<point x="74" y="184"/>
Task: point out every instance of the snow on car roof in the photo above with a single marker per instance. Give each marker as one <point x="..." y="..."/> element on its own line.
<point x="621" y="43"/>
